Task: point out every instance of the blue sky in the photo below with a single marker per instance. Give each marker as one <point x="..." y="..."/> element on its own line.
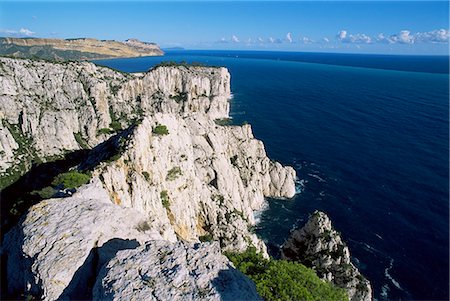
<point x="408" y="27"/>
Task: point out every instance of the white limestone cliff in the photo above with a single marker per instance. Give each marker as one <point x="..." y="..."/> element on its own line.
<point x="63" y="247"/>
<point x="319" y="246"/>
<point x="62" y="107"/>
<point x="212" y="177"/>
<point x="197" y="181"/>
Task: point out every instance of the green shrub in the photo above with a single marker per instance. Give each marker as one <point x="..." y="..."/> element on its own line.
<point x="180" y="97"/>
<point x="146" y="175"/>
<point x="165" y="199"/>
<point x="81" y="141"/>
<point x="223" y="121"/>
<point x="115" y="125"/>
<point x="283" y="280"/>
<point x="106" y="131"/>
<point x="71" y="179"/>
<point x="206" y="237"/>
<point x="160" y="130"/>
<point x="44" y="193"/>
<point x="173" y="173"/>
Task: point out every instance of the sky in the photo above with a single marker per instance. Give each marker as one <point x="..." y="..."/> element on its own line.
<point x="401" y="27"/>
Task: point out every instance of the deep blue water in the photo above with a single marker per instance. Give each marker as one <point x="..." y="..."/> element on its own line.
<point x="370" y="142"/>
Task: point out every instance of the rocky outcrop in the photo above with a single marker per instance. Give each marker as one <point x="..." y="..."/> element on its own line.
<point x="163" y="170"/>
<point x="49" y="109"/>
<point x="76" y="49"/>
<point x="63" y="247"/>
<point x="164" y="271"/>
<point x="319" y="246"/>
<point x="201" y="179"/>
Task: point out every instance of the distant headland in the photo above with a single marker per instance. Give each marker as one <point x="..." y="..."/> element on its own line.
<point x="76" y="49"/>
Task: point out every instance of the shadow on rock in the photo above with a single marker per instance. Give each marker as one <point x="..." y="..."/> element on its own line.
<point x="80" y="288"/>
<point x="232" y="285"/>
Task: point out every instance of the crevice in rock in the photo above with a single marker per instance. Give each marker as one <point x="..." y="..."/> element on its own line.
<point x="83" y="281"/>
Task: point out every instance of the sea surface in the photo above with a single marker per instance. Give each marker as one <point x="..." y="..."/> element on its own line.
<point x="369" y="138"/>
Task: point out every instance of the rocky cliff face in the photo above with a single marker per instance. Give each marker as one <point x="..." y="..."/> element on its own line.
<point x="86" y="248"/>
<point x="75" y="49"/>
<point x="319" y="246"/>
<point x="49" y="109"/>
<point x="175" y="176"/>
<point x="200" y="179"/>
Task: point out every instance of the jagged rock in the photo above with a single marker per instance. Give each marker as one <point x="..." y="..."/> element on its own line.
<point x="69" y="106"/>
<point x="56" y="249"/>
<point x="212" y="177"/>
<point x="319" y="246"/>
<point x="164" y="271"/>
<point x="60" y="246"/>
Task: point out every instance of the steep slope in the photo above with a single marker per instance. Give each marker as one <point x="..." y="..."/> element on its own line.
<point x="319" y="245"/>
<point x="81" y="247"/>
<point x="48" y="109"/>
<point x="75" y="49"/>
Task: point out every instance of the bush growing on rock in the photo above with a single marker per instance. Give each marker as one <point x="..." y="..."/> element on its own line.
<point x="165" y="199"/>
<point x="173" y="173"/>
<point x="160" y="130"/>
<point x="71" y="179"/>
<point x="280" y="280"/>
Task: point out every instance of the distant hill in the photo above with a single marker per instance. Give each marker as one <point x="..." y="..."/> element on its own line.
<point x="75" y="49"/>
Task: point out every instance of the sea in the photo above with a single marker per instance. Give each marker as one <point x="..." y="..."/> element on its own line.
<point x="369" y="138"/>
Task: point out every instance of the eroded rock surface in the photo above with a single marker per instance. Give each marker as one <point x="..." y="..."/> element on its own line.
<point x="201" y="179"/>
<point x="165" y="271"/>
<point x="60" y="246"/>
<point x="47" y="109"/>
<point x="317" y="245"/>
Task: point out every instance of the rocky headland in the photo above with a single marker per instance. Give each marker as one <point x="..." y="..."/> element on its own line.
<point x="319" y="246"/>
<point x="75" y="49"/>
<point x="118" y="185"/>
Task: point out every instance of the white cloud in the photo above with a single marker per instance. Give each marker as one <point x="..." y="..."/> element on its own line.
<point x="359" y="38"/>
<point x="260" y="40"/>
<point x="342" y="34"/>
<point x="289" y="37"/>
<point x="235" y="39"/>
<point x="23" y="32"/>
<point x="402" y="37"/>
<point x="271" y="40"/>
<point x="435" y="36"/>
<point x="26" y="32"/>
<point x="326" y="40"/>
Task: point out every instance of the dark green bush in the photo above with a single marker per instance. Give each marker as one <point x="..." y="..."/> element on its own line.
<point x="206" y="237"/>
<point x="44" y="193"/>
<point x="115" y="125"/>
<point x="223" y="121"/>
<point x="71" y="179"/>
<point x="280" y="280"/>
<point x="160" y="130"/>
<point x="173" y="173"/>
<point x="165" y="199"/>
<point x="105" y="131"/>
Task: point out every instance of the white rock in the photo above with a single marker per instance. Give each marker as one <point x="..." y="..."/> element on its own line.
<point x="319" y="246"/>
<point x="165" y="271"/>
<point x="60" y="243"/>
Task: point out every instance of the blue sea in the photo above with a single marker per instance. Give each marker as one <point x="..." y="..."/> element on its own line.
<point x="369" y="138"/>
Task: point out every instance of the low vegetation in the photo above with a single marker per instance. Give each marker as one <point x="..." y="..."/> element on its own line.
<point x="206" y="237"/>
<point x="279" y="280"/>
<point x="173" y="173"/>
<point x="160" y="130"/>
<point x="71" y="179"/>
<point x="165" y="199"/>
